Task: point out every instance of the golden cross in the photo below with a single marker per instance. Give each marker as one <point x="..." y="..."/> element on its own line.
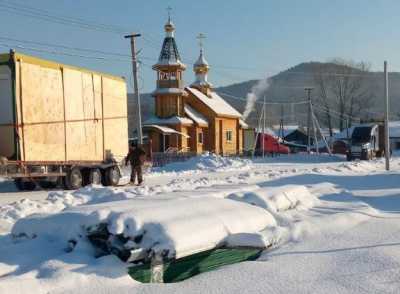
<point x="201" y="37"/>
<point x="169" y="12"/>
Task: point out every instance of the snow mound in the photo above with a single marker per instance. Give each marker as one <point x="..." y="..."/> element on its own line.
<point x="58" y="200"/>
<point x="177" y="227"/>
<point x="206" y="162"/>
<point x="278" y="199"/>
<point x="92" y="194"/>
<point x="266" y="238"/>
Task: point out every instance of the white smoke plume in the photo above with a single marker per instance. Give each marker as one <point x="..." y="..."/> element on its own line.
<point x="256" y="91"/>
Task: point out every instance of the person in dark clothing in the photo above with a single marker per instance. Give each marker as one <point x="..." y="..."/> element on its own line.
<point x="136" y="157"/>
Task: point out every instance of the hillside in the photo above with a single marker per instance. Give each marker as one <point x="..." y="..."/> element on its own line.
<point x="289" y="86"/>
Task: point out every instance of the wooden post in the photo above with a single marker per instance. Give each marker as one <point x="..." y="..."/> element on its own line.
<point x="157" y="269"/>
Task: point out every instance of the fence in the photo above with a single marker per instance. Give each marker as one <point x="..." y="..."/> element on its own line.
<point x="163" y="158"/>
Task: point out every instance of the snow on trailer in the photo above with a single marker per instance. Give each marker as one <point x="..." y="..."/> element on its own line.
<point x="60" y="122"/>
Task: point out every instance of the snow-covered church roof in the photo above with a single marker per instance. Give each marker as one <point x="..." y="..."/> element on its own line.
<point x="197" y="117"/>
<point x="215" y="103"/>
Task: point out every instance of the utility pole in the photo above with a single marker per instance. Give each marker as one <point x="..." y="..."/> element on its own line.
<point x="387" y="148"/>
<point x="136" y="87"/>
<point x="263" y="135"/>
<point x="281" y="123"/>
<point x="315" y="131"/>
<point x="308" y="90"/>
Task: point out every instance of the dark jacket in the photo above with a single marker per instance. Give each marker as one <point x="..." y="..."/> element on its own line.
<point x="136" y="156"/>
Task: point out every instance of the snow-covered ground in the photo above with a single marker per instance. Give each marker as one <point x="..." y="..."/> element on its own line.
<point x="334" y="227"/>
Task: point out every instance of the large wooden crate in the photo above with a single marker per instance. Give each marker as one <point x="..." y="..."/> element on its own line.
<point x="62" y="113"/>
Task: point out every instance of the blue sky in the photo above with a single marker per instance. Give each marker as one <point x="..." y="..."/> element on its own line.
<point x="245" y="39"/>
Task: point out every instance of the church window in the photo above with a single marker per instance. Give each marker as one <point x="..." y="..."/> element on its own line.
<point x="200" y="138"/>
<point x="229" y="136"/>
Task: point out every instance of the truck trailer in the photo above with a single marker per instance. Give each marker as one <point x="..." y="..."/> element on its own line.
<point x="60" y="124"/>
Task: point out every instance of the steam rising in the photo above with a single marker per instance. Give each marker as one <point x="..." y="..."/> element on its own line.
<point x="256" y="91"/>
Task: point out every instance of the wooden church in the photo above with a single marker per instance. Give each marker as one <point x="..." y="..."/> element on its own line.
<point x="193" y="118"/>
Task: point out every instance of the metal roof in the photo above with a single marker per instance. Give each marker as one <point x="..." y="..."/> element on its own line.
<point x="166" y="130"/>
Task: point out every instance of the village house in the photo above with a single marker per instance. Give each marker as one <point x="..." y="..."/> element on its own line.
<point x="193" y="118"/>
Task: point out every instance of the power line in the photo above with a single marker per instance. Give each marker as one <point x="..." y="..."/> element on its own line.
<point x="54" y="19"/>
<point x="73" y="20"/>
<point x="65" y="47"/>
<point x="269" y="103"/>
<point x="48" y="45"/>
<point x="49" y="16"/>
<point x="337" y="113"/>
<point x="54" y="52"/>
<point x="78" y="49"/>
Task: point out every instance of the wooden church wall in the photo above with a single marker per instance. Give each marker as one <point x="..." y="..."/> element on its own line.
<point x="228" y="147"/>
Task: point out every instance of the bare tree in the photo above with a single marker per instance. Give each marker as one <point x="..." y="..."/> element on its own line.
<point x="322" y="84"/>
<point x="344" y="89"/>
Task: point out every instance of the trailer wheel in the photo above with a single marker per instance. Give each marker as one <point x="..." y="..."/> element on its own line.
<point x="112" y="176"/>
<point x="74" y="179"/>
<point x="94" y="176"/>
<point x="26" y="185"/>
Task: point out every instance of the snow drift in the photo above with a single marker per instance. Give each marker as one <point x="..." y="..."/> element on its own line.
<point x="206" y="162"/>
<point x="278" y="199"/>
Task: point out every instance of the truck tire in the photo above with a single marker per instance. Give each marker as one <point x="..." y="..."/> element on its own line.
<point x="74" y="179"/>
<point x="94" y="177"/>
<point x="24" y="185"/>
<point x="364" y="156"/>
<point x="111" y="176"/>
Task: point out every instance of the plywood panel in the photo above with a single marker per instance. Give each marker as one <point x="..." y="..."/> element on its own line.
<point x="44" y="142"/>
<point x="88" y="98"/>
<point x="42" y="95"/>
<point x="83" y="115"/>
<point x="84" y="141"/>
<point x="114" y="98"/>
<point x="115" y="137"/>
<point x="44" y="91"/>
<point x="97" y="94"/>
<point x="73" y="91"/>
<point x="18" y="110"/>
<point x="41" y="112"/>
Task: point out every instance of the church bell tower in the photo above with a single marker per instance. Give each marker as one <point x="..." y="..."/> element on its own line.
<point x="170" y="89"/>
